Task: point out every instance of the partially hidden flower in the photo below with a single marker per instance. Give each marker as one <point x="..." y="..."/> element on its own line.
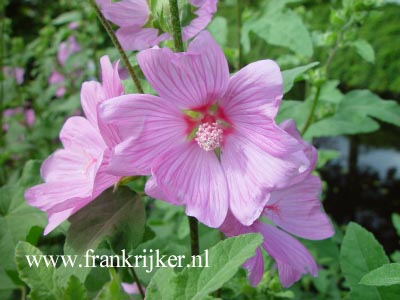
<point x="75" y="175"/>
<point x="28" y="114"/>
<point x="135" y="21"/>
<point x="208" y="140"/>
<point x="17" y="73"/>
<point x="67" y="48"/>
<point x="56" y="78"/>
<point x="295" y="209"/>
<point x="131" y="288"/>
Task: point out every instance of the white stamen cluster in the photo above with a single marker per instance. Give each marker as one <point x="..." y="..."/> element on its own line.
<point x="209" y="136"/>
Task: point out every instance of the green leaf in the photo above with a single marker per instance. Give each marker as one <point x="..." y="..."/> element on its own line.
<point x="113" y="289"/>
<point x="384" y="276"/>
<point x="16" y="216"/>
<point x="368" y="104"/>
<point x="290" y="76"/>
<point x="324" y="156"/>
<point x="396" y="222"/>
<point x="360" y="254"/>
<point x="219" y="29"/>
<point x="365" y="50"/>
<point x="67" y="17"/>
<point x="119" y="217"/>
<point x="75" y="290"/>
<point x="197" y="283"/>
<point x="40" y="279"/>
<point x="279" y="26"/>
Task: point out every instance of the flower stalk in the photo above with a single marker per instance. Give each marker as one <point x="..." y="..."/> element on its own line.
<point x="136" y="279"/>
<point x="117" y="45"/>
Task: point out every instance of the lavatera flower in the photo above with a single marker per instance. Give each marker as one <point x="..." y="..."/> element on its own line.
<point x="295" y="209"/>
<point x="75" y="175"/>
<point x="209" y="141"/>
<point x="136" y="23"/>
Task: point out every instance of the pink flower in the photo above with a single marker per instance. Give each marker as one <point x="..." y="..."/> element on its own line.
<point x="131" y="288"/>
<point x="133" y="35"/>
<point x="66" y="49"/>
<point x="209" y="141"/>
<point x="17" y="73"/>
<point x="75" y="175"/>
<point x="56" y="78"/>
<point x="295" y="209"/>
<point x="29" y="116"/>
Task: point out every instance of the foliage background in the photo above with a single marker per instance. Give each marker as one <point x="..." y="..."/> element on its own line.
<point x="293" y="32"/>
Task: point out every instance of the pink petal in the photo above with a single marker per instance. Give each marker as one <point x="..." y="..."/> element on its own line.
<point x="206" y="10"/>
<point x="137" y="38"/>
<point x="55" y="219"/>
<point x="91" y="95"/>
<point x="192" y="79"/>
<point x="126" y="12"/>
<point x="148" y="125"/>
<point x="153" y="190"/>
<point x="292" y="258"/>
<point x="189" y="175"/>
<point x="29" y="117"/>
<point x="111" y="82"/>
<point x="255" y="268"/>
<point x="257" y="88"/>
<point x="298" y="210"/>
<point x="251" y="174"/>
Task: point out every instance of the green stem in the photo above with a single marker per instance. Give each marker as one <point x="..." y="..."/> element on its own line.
<point x="312" y="111"/>
<point x="239" y="32"/>
<point x="194" y="235"/>
<point x="176" y="26"/>
<point x="117" y="45"/>
<point x="136" y="279"/>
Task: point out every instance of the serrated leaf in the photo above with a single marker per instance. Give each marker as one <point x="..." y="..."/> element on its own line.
<point x="16" y="216"/>
<point x="360" y="254"/>
<point x="40" y="279"/>
<point x="119" y="217"/>
<point x="365" y="50"/>
<point x="290" y="76"/>
<point x="280" y="26"/>
<point x="384" y="276"/>
<point x="197" y="283"/>
<point x="75" y="290"/>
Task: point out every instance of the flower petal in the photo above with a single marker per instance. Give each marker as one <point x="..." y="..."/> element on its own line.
<point x="153" y="190"/>
<point x="137" y="38"/>
<point x="298" y="210"/>
<point x="292" y="258"/>
<point x="126" y="12"/>
<point x="251" y="174"/>
<point x="255" y="268"/>
<point x="192" y="79"/>
<point x="148" y="126"/>
<point x="111" y="82"/>
<point x="257" y="88"/>
<point x="189" y="175"/>
<point x="91" y="95"/>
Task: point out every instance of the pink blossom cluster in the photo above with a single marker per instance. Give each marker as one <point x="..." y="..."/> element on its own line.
<point x="208" y="141"/>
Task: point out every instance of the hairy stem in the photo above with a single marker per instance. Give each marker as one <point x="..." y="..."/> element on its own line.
<point x="176" y="26"/>
<point x="194" y="235"/>
<point x="117" y="45"/>
<point x="312" y="111"/>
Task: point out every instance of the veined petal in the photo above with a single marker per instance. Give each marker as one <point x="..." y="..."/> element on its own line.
<point x="297" y="209"/>
<point x="111" y="82"/>
<point x="126" y="12"/>
<point x="257" y="88"/>
<point x="137" y="38"/>
<point x="292" y="258"/>
<point x="255" y="268"/>
<point x="148" y="126"/>
<point x="192" y="79"/>
<point x="91" y="95"/>
<point x="153" y="190"/>
<point x="55" y="219"/>
<point x="189" y="175"/>
<point x="206" y="10"/>
<point x="251" y="174"/>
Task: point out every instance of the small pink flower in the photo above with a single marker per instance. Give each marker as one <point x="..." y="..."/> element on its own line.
<point x="29" y="116"/>
<point x="295" y="209"/>
<point x="56" y="78"/>
<point x="134" y="36"/>
<point x="17" y="73"/>
<point x="209" y="140"/>
<point x="66" y="49"/>
<point x="131" y="288"/>
<point x="75" y="175"/>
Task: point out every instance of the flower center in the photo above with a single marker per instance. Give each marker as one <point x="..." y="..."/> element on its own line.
<point x="209" y="136"/>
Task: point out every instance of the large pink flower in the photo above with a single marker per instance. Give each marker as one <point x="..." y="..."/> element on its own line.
<point x="209" y="141"/>
<point x="75" y="175"/>
<point x="132" y="15"/>
<point x="295" y="209"/>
